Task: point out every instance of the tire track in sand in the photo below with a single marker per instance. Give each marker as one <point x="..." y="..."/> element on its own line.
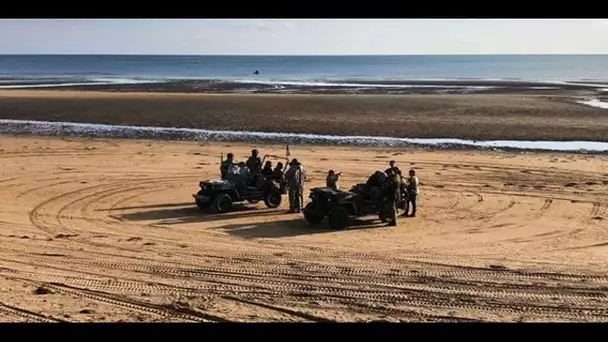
<point x="28" y="315"/>
<point x="398" y="292"/>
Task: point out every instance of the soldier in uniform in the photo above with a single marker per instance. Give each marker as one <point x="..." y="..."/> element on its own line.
<point x="254" y="163"/>
<point x="332" y="179"/>
<point x="392" y="197"/>
<point x="226" y="164"/>
<point x="267" y="170"/>
<point x="295" y="177"/>
<point x="277" y="173"/>
<point x="412" y="186"/>
<point x="392" y="167"/>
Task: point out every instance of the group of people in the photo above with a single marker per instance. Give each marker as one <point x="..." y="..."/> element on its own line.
<point x="295" y="178"/>
<point x="396" y="185"/>
<point x="251" y="171"/>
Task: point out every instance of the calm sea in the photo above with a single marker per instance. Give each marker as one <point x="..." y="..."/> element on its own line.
<point x="312" y="68"/>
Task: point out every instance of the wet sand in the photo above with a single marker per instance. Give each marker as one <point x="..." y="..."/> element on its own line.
<point x="516" y="116"/>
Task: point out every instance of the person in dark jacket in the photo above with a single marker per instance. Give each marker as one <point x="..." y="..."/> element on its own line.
<point x="226" y="164"/>
<point x="392" y="197"/>
<point x="392" y="166"/>
<point x="277" y="173"/>
<point x="267" y="171"/>
<point x="254" y="163"/>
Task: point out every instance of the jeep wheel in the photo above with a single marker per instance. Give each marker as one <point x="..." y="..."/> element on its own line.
<point x="222" y="204"/>
<point x="273" y="199"/>
<point x="338" y="218"/>
<point x="311" y="215"/>
<point x="203" y="205"/>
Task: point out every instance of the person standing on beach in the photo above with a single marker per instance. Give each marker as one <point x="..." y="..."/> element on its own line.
<point x="392" y="167"/>
<point x="412" y="186"/>
<point x="295" y="177"/>
<point x="392" y="197"/>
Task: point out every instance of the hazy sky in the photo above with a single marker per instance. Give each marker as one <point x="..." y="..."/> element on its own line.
<point x="302" y="36"/>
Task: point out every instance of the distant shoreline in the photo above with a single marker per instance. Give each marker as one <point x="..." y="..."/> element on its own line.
<point x="255" y="85"/>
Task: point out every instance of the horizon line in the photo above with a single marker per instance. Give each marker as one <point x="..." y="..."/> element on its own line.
<point x="303" y="55"/>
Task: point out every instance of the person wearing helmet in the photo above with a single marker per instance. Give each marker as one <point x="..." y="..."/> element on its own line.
<point x="412" y="186"/>
<point x="332" y="179"/>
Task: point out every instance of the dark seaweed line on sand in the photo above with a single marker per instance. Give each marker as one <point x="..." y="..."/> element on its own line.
<point x="70" y="129"/>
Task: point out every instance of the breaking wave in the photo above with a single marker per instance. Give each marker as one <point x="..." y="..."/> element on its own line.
<point x="54" y="83"/>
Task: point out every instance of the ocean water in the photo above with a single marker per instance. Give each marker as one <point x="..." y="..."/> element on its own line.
<point x="286" y="73"/>
<point x="131" y="68"/>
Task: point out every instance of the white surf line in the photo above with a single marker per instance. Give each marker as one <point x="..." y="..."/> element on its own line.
<point x="356" y="85"/>
<point x="108" y="81"/>
<point x="147" y="132"/>
<point x="594" y="103"/>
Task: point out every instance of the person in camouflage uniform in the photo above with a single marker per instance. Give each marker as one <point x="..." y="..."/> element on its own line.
<point x="295" y="178"/>
<point x="392" y="197"/>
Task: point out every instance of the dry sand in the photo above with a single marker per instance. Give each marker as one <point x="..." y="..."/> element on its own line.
<point x="475" y="117"/>
<point x="106" y="230"/>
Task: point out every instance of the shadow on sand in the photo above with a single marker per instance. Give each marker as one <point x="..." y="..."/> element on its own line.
<point x="192" y="214"/>
<point x="151" y="206"/>
<point x="287" y="225"/>
<point x="293" y="225"/>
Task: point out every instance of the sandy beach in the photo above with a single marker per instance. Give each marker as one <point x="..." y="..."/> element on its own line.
<point x="113" y="207"/>
<point x="106" y="230"/>
<point x="504" y="116"/>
